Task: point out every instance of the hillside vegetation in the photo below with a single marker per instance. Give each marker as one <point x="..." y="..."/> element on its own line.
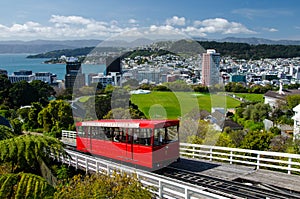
<point x="237" y="50"/>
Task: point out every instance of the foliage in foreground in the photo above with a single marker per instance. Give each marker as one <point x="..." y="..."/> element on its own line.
<point x="5" y="133"/>
<point x="25" y="152"/>
<point x="118" y="185"/>
<point x="24" y="185"/>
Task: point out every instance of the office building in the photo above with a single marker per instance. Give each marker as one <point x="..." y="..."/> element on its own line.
<point x="210" y="67"/>
<point x="104" y="80"/>
<point x="113" y="64"/>
<point x="74" y="76"/>
<point x="47" y="77"/>
<point x="3" y="72"/>
<point x="22" y="75"/>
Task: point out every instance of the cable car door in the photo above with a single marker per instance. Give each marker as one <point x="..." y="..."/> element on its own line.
<point x="129" y="144"/>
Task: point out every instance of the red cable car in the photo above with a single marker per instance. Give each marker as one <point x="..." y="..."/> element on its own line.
<point x="149" y="144"/>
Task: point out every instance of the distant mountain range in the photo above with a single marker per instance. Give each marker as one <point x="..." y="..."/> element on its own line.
<point x="257" y="41"/>
<point x="42" y="46"/>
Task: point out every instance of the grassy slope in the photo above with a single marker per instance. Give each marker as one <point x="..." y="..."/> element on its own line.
<point x="175" y="104"/>
<point x="251" y="97"/>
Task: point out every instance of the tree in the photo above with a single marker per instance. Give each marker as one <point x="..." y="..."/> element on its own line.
<point x="5" y="85"/>
<point x="43" y="90"/>
<point x="22" y="93"/>
<point x="133" y="83"/>
<point x="292" y="101"/>
<point x="280" y="143"/>
<point x="102" y="105"/>
<point x="257" y="140"/>
<point x="57" y="115"/>
<point x="121" y="113"/>
<point x="225" y="141"/>
<point x="178" y="85"/>
<point x="119" y="185"/>
<point x="35" y="109"/>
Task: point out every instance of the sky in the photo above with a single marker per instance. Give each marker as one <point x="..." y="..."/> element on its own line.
<point x="102" y="19"/>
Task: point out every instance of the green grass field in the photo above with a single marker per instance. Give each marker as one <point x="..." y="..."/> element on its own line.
<point x="251" y="96"/>
<point x="172" y="105"/>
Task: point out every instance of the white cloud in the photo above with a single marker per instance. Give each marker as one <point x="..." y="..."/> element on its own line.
<point x="132" y="21"/>
<point x="271" y="29"/>
<point x="177" y="21"/>
<point x="73" y="27"/>
<point x="57" y="19"/>
<point x="220" y="25"/>
<point x="193" y="31"/>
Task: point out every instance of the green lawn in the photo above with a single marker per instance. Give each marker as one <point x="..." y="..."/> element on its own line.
<point x="251" y="96"/>
<point x="175" y="104"/>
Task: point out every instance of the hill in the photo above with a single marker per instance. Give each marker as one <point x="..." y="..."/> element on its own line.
<point x="41" y="46"/>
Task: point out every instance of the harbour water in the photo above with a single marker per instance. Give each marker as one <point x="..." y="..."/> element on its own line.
<point x="16" y="62"/>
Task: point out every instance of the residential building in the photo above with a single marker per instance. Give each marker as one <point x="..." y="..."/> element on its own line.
<point x="296" y="118"/>
<point x="274" y="97"/>
<point x="210" y="67"/>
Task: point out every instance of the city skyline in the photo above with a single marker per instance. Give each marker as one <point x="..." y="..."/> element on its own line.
<point x="61" y="20"/>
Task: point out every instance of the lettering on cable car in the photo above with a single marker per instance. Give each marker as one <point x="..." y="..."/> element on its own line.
<point x="112" y="124"/>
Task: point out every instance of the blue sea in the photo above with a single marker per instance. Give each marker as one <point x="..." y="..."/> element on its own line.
<point x="16" y="62"/>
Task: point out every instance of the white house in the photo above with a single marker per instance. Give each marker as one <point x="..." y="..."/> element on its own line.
<point x="296" y="119"/>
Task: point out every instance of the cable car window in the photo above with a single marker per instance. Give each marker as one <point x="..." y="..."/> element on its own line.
<point x="145" y="137"/>
<point x="159" y="135"/>
<point x="130" y="137"/>
<point x="108" y="133"/>
<point x="135" y="136"/>
<point x="119" y="135"/>
<point x="80" y="131"/>
<point x="172" y="134"/>
<point x="94" y="132"/>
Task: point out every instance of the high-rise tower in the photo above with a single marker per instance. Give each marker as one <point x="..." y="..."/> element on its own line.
<point x="210" y="67"/>
<point x="74" y="76"/>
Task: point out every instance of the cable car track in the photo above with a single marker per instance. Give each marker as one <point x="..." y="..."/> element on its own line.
<point x="235" y="189"/>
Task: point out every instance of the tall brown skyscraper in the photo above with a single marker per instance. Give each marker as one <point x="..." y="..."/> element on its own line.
<point x="210" y="67"/>
<point x="74" y="76"/>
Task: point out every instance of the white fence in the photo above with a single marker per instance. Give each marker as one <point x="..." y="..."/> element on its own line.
<point x="163" y="187"/>
<point x="260" y="159"/>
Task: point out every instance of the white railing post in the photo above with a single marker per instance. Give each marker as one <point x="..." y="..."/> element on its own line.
<point x="289" y="165"/>
<point x="76" y="162"/>
<point x="193" y="152"/>
<point x="231" y="153"/>
<point x="86" y="165"/>
<point x="186" y="193"/>
<point x="108" y="169"/>
<point x="257" y="161"/>
<point x="210" y="155"/>
<point x="97" y="166"/>
<point x="160" y="189"/>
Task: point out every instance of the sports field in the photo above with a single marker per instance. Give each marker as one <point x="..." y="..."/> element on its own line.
<point x="252" y="97"/>
<point x="172" y="105"/>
